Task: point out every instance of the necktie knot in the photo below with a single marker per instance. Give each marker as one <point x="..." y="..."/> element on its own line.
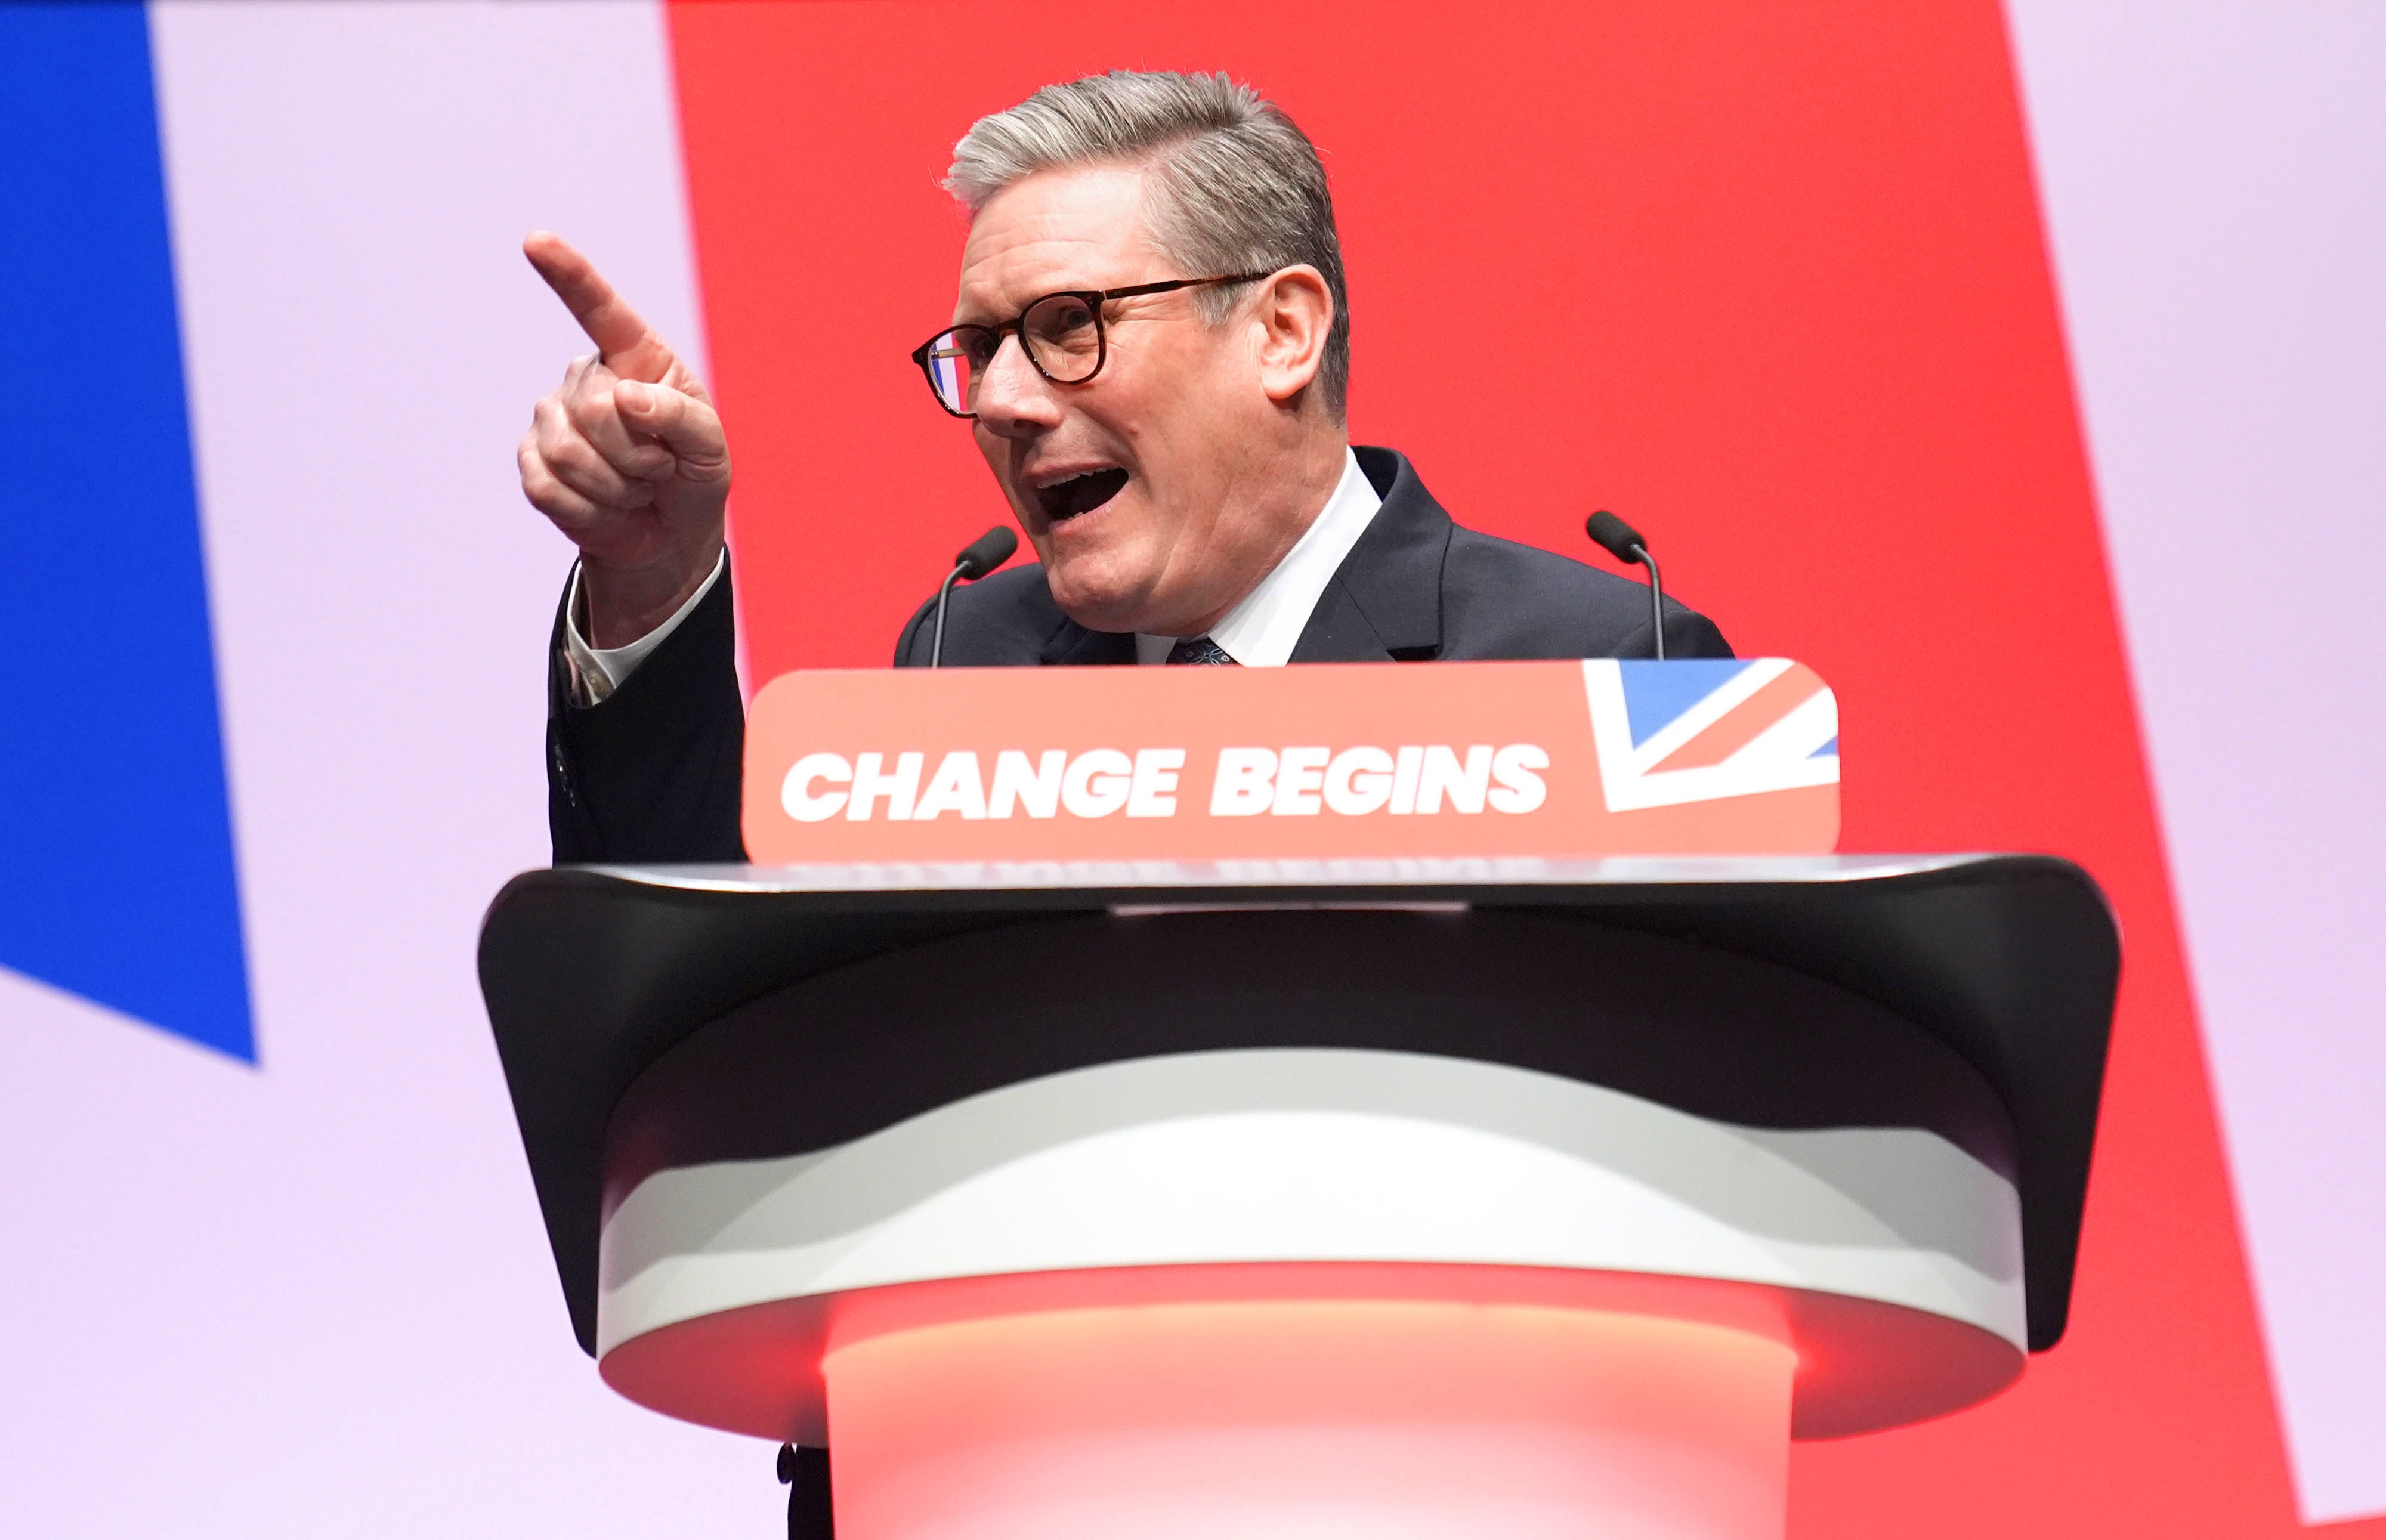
<point x="1198" y="649"/>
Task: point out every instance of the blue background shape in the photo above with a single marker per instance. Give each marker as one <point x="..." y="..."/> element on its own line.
<point x="117" y="876"/>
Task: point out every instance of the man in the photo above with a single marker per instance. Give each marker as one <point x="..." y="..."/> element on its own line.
<point x="1151" y="345"/>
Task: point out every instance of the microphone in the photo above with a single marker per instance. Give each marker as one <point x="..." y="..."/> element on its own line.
<point x="978" y="557"/>
<point x="1623" y="541"/>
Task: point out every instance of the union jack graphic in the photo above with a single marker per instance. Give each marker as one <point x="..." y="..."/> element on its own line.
<point x="1705" y="728"/>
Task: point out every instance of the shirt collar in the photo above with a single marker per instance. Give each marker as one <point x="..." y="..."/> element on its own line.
<point x="1261" y="631"/>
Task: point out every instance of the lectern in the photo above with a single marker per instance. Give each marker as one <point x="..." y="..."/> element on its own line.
<point x="1374" y="1196"/>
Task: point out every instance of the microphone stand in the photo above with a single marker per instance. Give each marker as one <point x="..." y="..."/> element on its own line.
<point x="1623" y="541"/>
<point x="1656" y="597"/>
<point x="980" y="556"/>
<point x="944" y="593"/>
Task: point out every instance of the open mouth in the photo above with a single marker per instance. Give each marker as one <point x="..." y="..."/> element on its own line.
<point x="1081" y="494"/>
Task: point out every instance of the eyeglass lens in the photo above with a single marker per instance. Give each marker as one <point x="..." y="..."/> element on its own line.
<point x="1063" y="334"/>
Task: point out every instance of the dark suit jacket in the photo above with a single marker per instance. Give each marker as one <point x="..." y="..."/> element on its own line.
<point x="652" y="774"/>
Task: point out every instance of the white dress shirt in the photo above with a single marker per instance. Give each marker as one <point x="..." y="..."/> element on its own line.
<point x="599" y="671"/>
<point x="1259" y="632"/>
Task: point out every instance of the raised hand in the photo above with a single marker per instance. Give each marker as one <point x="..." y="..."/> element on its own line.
<point x="626" y="456"/>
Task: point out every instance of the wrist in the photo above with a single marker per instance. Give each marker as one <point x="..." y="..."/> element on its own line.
<point x="621" y="602"/>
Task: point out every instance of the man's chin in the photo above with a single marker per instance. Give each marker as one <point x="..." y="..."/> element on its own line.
<point x="1096" y="594"/>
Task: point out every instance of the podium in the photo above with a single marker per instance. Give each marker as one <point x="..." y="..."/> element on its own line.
<point x="1375" y="1196"/>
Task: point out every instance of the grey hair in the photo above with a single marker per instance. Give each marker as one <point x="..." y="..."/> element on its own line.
<point x="1236" y="186"/>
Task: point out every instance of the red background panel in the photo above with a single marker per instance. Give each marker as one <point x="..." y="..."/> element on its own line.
<point x="1766" y="279"/>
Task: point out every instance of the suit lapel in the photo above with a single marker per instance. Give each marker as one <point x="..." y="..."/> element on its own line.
<point x="1073" y="644"/>
<point x="1385" y="601"/>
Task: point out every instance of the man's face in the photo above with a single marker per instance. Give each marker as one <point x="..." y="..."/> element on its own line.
<point x="1147" y="490"/>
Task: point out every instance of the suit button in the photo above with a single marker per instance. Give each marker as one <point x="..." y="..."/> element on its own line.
<point x="561" y="771"/>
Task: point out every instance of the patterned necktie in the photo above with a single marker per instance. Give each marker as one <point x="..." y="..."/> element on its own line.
<point x="1200" y="650"/>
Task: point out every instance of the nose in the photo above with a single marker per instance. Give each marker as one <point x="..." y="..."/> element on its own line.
<point x="1013" y="400"/>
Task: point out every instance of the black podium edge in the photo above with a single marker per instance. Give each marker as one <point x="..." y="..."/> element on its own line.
<point x="590" y="974"/>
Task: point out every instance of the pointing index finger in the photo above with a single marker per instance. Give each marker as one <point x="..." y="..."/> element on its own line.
<point x="627" y="344"/>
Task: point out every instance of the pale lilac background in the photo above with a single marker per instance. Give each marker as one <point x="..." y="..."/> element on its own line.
<point x="315" y="1298"/>
<point x="2214" y="177"/>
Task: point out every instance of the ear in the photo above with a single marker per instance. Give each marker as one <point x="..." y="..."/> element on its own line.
<point x="1293" y="311"/>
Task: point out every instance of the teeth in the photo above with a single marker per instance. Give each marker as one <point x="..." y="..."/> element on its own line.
<point x="1061" y="498"/>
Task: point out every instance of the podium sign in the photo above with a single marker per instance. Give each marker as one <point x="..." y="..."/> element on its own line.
<point x="1559" y="758"/>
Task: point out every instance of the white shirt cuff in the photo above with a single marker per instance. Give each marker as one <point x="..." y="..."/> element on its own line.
<point x="596" y="673"/>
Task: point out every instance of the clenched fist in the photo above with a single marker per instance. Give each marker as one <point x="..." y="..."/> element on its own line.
<point x="626" y="456"/>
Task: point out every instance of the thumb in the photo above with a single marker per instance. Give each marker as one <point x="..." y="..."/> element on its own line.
<point x="689" y="428"/>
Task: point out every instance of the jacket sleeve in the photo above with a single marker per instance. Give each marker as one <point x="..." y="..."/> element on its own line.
<point x="912" y="646"/>
<point x="1687" y="634"/>
<point x="653" y="771"/>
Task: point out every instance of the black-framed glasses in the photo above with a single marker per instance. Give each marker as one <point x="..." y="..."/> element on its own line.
<point x="1062" y="334"/>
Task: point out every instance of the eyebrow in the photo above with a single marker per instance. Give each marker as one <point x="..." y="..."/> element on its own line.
<point x="1104" y="297"/>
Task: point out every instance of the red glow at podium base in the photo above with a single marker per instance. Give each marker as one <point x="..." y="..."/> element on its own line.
<point x="1382" y="1420"/>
